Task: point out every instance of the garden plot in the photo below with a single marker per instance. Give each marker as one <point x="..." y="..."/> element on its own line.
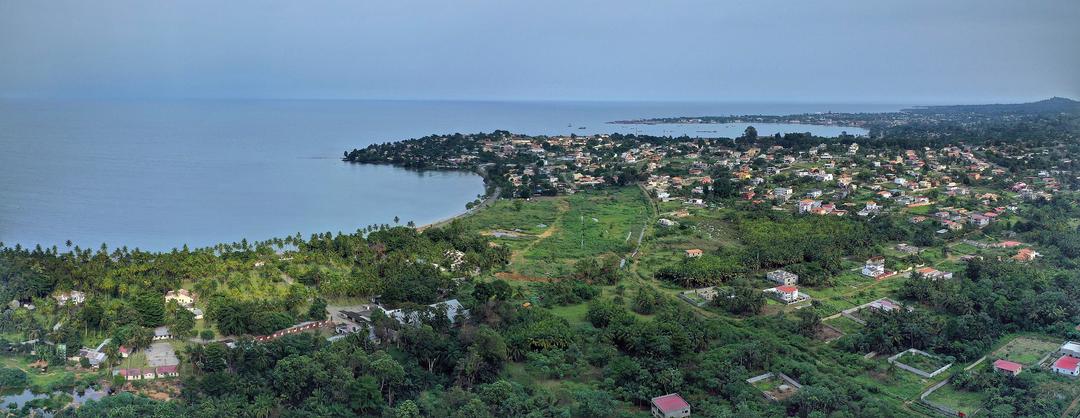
<point x="775" y="386"/>
<point x="1026" y="350"/>
<point x="920" y="362"/>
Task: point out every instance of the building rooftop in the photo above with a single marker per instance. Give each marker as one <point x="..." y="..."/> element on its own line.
<point x="670" y="403"/>
<point x="1067" y="363"/>
<point x="1007" y="365"/>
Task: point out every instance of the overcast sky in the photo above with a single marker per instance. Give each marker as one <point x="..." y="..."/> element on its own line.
<point x="888" y="51"/>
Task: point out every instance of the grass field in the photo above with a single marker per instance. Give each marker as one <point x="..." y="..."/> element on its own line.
<point x="845" y="324"/>
<point x="548" y="235"/>
<point x="56" y="375"/>
<point x="925" y="363"/>
<point x="503" y="215"/>
<point x="1026" y="350"/>
<point x="850" y="289"/>
<point x="898" y="384"/>
<point x="960" y="400"/>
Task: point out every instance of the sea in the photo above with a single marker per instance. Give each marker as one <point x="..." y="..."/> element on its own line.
<point x="158" y="175"/>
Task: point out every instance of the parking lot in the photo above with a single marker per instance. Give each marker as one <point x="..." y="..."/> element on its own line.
<point x="161" y="354"/>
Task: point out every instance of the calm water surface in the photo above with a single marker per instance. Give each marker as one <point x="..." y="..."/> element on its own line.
<point x="157" y="175"/>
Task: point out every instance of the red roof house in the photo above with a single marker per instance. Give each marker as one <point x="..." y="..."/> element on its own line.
<point x="787" y="293"/>
<point x="130" y="374"/>
<point x="1067" y="365"/>
<point x="1006" y="366"/>
<point x="670" y="406"/>
<point x="168" y="371"/>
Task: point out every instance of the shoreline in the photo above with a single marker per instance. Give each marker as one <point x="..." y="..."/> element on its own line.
<point x="488" y="200"/>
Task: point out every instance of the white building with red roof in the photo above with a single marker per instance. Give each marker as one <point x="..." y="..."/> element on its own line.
<point x="787" y="293"/>
<point x="670" y="406"/>
<point x="1007" y="367"/>
<point x="1067" y="365"/>
<point x="167" y="371"/>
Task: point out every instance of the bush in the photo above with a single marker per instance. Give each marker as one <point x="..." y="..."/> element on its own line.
<point x="12" y="378"/>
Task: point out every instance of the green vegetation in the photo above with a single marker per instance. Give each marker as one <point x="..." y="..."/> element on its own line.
<point x="572" y="298"/>
<point x="925" y="363"/>
<point x="1026" y="350"/>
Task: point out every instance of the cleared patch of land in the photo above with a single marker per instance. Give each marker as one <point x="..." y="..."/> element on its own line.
<point x="1026" y="350"/>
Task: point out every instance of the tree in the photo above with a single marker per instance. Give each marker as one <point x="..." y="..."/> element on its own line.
<point x="750" y="134"/>
<point x="407" y="409"/>
<point x="390" y="374"/>
<point x="182" y="323"/>
<point x="151" y="309"/>
<point x="809" y="321"/>
<point x="296" y="376"/>
<point x="317" y="310"/>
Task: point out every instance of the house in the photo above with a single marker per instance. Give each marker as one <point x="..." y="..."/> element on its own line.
<point x="148" y="374"/>
<point x="1007" y="367"/>
<point x="884" y="305"/>
<point x="182" y="296"/>
<point x="197" y="312"/>
<point x="787" y="293"/>
<point x="907" y="249"/>
<point x="694" y="252"/>
<point x="124" y="352"/>
<point x="934" y="274"/>
<point x="782" y="277"/>
<point x="93" y="357"/>
<point x="167" y="371"/>
<point x="452" y="307"/>
<point x="806" y="205"/>
<point x="130" y="374"/>
<point x="1026" y="254"/>
<point x="1070" y="348"/>
<point x="162" y="333"/>
<point x="874" y="267"/>
<point x="74" y="297"/>
<point x="1067" y="365"/>
<point x="670" y="406"/>
<point x="979" y="220"/>
<point x="666" y="223"/>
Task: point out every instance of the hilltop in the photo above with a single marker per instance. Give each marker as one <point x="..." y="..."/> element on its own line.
<point x="1051" y="105"/>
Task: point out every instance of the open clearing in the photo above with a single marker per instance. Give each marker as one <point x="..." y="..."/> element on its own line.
<point x="960" y="400"/>
<point x="1026" y="350"/>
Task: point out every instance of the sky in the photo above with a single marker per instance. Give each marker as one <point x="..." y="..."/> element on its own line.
<point x="873" y="51"/>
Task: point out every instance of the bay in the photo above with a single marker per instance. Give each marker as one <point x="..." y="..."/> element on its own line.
<point x="160" y="174"/>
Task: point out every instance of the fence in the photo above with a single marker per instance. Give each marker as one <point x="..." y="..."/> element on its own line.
<point x="920" y="372"/>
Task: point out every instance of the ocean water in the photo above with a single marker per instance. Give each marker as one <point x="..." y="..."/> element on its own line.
<point x="160" y="174"/>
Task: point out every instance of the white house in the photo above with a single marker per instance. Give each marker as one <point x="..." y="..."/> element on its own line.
<point x="182" y="296"/>
<point x="782" y="277"/>
<point x="1070" y="348"/>
<point x="787" y="294"/>
<point x="874" y="267"/>
<point x="162" y="333"/>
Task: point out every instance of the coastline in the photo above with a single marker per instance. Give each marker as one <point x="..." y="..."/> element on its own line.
<point x="488" y="200"/>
